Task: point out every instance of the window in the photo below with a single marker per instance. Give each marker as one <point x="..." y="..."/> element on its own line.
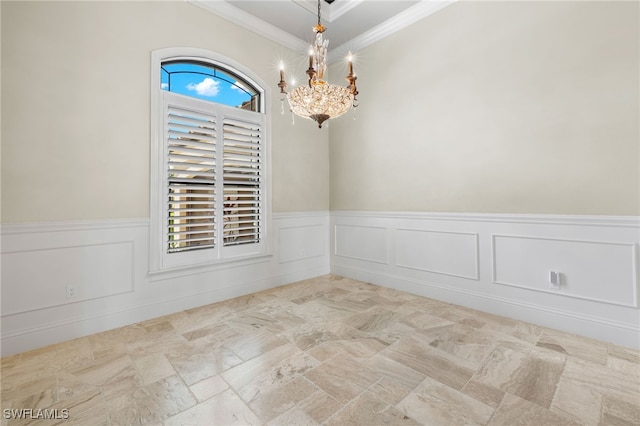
<point x="208" y="82"/>
<point x="209" y="200"/>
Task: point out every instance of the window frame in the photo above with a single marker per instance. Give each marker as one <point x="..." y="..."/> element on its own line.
<point x="159" y="258"/>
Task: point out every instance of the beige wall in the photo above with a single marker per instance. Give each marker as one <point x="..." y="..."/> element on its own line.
<point x="481" y="107"/>
<point x="522" y="107"/>
<point x="75" y="108"/>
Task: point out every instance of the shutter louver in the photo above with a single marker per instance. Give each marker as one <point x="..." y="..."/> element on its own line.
<point x="191" y="153"/>
<point x="242" y="176"/>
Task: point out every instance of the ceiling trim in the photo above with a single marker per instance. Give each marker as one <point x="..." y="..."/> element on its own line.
<point x="340" y="8"/>
<point x="330" y="12"/>
<point x="413" y="14"/>
<point x="240" y="17"/>
<point x="388" y="27"/>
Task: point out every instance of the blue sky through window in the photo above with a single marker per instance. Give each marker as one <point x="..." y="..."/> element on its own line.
<point x="205" y="82"/>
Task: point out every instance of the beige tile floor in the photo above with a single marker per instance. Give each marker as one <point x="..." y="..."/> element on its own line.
<point x="330" y="351"/>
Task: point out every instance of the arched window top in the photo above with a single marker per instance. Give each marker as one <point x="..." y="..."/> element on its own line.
<point x="209" y="82"/>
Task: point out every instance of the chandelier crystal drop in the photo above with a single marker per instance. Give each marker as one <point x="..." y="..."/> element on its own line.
<point x="320" y="100"/>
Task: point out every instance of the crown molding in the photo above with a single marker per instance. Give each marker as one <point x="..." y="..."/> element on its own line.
<point x="388" y="27"/>
<point x="239" y="17"/>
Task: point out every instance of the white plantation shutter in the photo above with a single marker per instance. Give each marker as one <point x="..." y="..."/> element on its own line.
<point x="191" y="177"/>
<point x="213" y="182"/>
<point x="242" y="180"/>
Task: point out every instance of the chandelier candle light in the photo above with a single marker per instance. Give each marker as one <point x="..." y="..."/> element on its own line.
<point x="320" y="100"/>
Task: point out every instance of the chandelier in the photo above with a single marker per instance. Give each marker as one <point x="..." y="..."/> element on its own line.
<point x="320" y="100"/>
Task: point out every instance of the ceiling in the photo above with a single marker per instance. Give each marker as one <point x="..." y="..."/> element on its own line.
<point x="351" y="24"/>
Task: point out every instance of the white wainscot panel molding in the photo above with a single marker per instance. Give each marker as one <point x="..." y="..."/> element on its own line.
<point x="500" y="263"/>
<point x="366" y="243"/>
<point x="440" y="252"/>
<point x="40" y="279"/>
<point x="107" y="264"/>
<point x="41" y="262"/>
<point x="302" y="242"/>
<point x="595" y="270"/>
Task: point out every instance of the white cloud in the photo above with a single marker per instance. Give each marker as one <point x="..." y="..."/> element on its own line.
<point x="164" y="86"/>
<point x="207" y="87"/>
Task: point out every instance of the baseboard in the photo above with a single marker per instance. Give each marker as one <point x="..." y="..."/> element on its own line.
<point x="501" y="264"/>
<point x="107" y="262"/>
<point x="55" y="332"/>
<point x="599" y="328"/>
<point x="494" y="263"/>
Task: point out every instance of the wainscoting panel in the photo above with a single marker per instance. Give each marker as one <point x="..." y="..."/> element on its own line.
<point x="107" y="264"/>
<point x="367" y="243"/>
<point x="501" y="263"/>
<point x="302" y="242"/>
<point x="89" y="272"/>
<point x="494" y="263"/>
<point x="596" y="270"/>
<point x="448" y="253"/>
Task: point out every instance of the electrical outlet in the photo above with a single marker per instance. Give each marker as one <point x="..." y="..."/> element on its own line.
<point x="71" y="292"/>
<point x="554" y="279"/>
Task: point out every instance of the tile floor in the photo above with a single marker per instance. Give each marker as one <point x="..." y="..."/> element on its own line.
<point x="330" y="351"/>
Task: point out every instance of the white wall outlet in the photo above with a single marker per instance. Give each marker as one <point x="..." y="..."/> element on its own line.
<point x="554" y="279"/>
<point x="71" y="292"/>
